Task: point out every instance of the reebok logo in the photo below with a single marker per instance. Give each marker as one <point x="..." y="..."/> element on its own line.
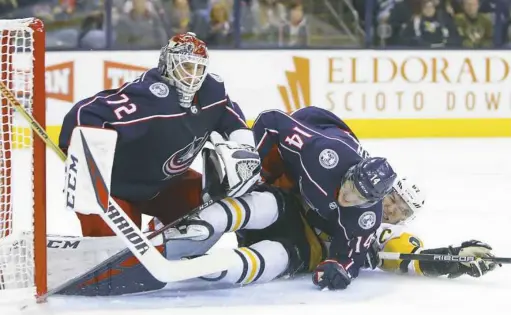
<point x="297" y="93"/>
<point x="115" y="74"/>
<point x="60" y="81"/>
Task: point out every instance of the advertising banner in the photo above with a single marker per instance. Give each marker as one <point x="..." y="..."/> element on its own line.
<point x="381" y="94"/>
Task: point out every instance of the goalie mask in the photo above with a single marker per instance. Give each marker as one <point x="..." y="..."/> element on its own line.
<point x="402" y="205"/>
<point x="184" y="62"/>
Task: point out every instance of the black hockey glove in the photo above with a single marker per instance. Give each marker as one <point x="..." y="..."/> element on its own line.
<point x="476" y="268"/>
<point x="372" y="259"/>
<point x="332" y="275"/>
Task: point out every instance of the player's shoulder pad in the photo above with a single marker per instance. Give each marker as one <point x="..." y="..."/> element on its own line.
<point x="332" y="156"/>
<point x="150" y="85"/>
<point x="322" y="171"/>
<point x="216" y="77"/>
<point x="213" y="86"/>
<point x="214" y="80"/>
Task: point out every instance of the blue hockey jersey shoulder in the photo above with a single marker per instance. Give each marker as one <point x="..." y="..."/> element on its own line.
<point x="212" y="90"/>
<point x="321" y="119"/>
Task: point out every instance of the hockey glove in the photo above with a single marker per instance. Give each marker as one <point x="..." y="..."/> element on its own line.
<point x="242" y="165"/>
<point x="476" y="268"/>
<point x="332" y="275"/>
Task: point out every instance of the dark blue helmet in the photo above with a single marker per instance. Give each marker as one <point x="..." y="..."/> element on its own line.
<point x="373" y="178"/>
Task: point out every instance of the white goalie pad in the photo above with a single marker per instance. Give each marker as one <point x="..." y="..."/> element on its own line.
<point x="89" y="165"/>
<point x="70" y="256"/>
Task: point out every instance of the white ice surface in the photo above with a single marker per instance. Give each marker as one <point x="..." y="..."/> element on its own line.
<point x="467" y="182"/>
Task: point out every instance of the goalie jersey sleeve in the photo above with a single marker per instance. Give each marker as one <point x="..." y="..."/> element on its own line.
<point x="395" y="238"/>
<point x="316" y="157"/>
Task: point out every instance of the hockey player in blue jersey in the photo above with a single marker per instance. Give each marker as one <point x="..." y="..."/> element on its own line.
<point x="163" y="119"/>
<point x="326" y="166"/>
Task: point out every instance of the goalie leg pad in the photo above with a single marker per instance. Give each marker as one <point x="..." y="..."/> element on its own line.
<point x="94" y="226"/>
<point x="89" y="163"/>
<point x="123" y="276"/>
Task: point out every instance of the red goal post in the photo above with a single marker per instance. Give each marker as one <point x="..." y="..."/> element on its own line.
<point x="23" y="272"/>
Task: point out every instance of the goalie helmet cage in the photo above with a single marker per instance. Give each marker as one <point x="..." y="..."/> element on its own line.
<point x="22" y="162"/>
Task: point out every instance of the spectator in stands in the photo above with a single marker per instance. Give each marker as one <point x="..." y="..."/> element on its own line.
<point x="394" y="16"/>
<point x="220" y="28"/>
<point x="499" y="13"/>
<point x="43" y="11"/>
<point x="92" y="34"/>
<point x="426" y="29"/>
<point x="445" y="13"/>
<point x="199" y="4"/>
<point x="247" y="18"/>
<point x="180" y="17"/>
<point x="269" y="16"/>
<point x="475" y="28"/>
<point x="139" y="27"/>
<point x="228" y="5"/>
<point x="294" y="32"/>
<point x="64" y="30"/>
<point x="65" y="10"/>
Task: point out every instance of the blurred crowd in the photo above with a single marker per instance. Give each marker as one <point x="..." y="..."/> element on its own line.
<point x="442" y="23"/>
<point x="147" y="24"/>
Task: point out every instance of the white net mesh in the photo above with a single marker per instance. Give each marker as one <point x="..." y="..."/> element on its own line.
<point x="16" y="161"/>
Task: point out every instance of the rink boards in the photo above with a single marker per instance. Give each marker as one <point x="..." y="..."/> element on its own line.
<point x="381" y="94"/>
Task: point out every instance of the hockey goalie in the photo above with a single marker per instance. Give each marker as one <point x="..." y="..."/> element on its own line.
<point x="129" y="152"/>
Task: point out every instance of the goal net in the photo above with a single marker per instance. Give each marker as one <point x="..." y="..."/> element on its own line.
<point x="22" y="162"/>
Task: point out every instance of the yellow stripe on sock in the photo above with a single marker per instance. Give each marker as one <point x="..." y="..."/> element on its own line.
<point x="254" y="266"/>
<point x="238" y="213"/>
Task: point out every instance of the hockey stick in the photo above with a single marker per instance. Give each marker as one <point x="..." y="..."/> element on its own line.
<point x="136" y="241"/>
<point x="157" y="237"/>
<point x="440" y="258"/>
<point x="33" y="123"/>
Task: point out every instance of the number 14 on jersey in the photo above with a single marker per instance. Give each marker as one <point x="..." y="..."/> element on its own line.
<point x="296" y="139"/>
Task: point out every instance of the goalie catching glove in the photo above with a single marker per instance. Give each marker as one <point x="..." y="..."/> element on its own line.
<point x="242" y="164"/>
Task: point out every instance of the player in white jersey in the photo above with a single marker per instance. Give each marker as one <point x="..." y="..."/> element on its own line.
<point x="392" y="236"/>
